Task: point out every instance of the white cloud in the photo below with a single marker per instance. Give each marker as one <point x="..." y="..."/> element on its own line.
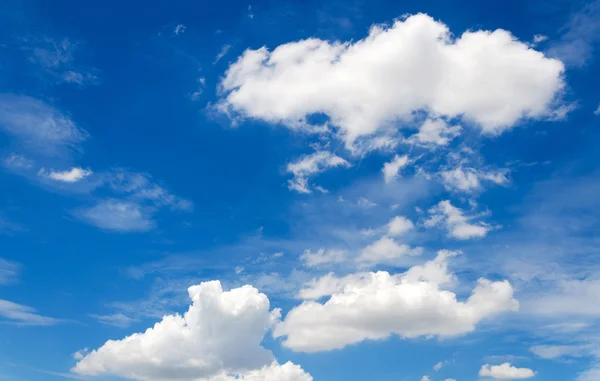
<point x="597" y="112"/>
<point x="118" y="215"/>
<point x="469" y="179"/>
<point x="425" y="378"/>
<point x="449" y="379"/>
<point x="9" y="271"/>
<point x="18" y="314"/>
<point x="390" y="170"/>
<point x="217" y="339"/>
<point x="488" y="78"/>
<point x="322" y="257"/>
<point x="435" y="132"/>
<point x="505" y="372"/>
<point x="38" y="125"/>
<point x="273" y="372"/>
<point x="69" y="176"/>
<point x="399" y="225"/>
<point x="455" y="222"/>
<point x="386" y="251"/>
<point x="373" y="306"/>
<point x="222" y="53"/>
<point x="310" y="165"/>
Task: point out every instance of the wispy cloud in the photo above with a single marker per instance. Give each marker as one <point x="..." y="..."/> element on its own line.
<point x="116" y="320"/>
<point x="18" y="314"/>
<point x="582" y="31"/>
<point x="222" y="53"/>
<point x="56" y="57"/>
<point x="118" y="215"/>
<point x="9" y="271"/>
<point x="38" y="125"/>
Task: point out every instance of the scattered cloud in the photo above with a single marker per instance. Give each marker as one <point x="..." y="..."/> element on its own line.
<point x="68" y="176"/>
<point x="373" y="306"/>
<point x="310" y="165"/>
<point x="505" y="372"/>
<point x="56" y="58"/>
<point x="218" y="338"/>
<point x="508" y="83"/>
<point x="597" y="112"/>
<point x="455" y="222"/>
<point x="179" y="29"/>
<point x="391" y="170"/>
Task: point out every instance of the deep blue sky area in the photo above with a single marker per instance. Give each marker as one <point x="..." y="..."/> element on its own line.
<point x="300" y="190"/>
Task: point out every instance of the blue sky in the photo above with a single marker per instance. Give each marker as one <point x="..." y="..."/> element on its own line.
<point x="302" y="190"/>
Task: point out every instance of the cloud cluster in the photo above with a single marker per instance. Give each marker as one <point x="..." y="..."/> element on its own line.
<point x="505" y="372"/>
<point x="372" y="306"/>
<point x="310" y="165"/>
<point x="455" y="222"/>
<point x="466" y="179"/>
<point x="487" y="78"/>
<point x="218" y="339"/>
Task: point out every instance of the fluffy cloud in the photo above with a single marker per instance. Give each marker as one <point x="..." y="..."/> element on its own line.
<point x="310" y="165"/>
<point x="469" y="179"/>
<point x="273" y="372"/>
<point x="488" y="78"/>
<point x="399" y="225"/>
<point x="323" y="257"/>
<point x="435" y="132"/>
<point x="69" y="176"/>
<point x="390" y="170"/>
<point x="38" y="125"/>
<point x="386" y="251"/>
<point x="455" y="222"/>
<point x="505" y="372"/>
<point x="372" y="306"/>
<point x="217" y="339"/>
